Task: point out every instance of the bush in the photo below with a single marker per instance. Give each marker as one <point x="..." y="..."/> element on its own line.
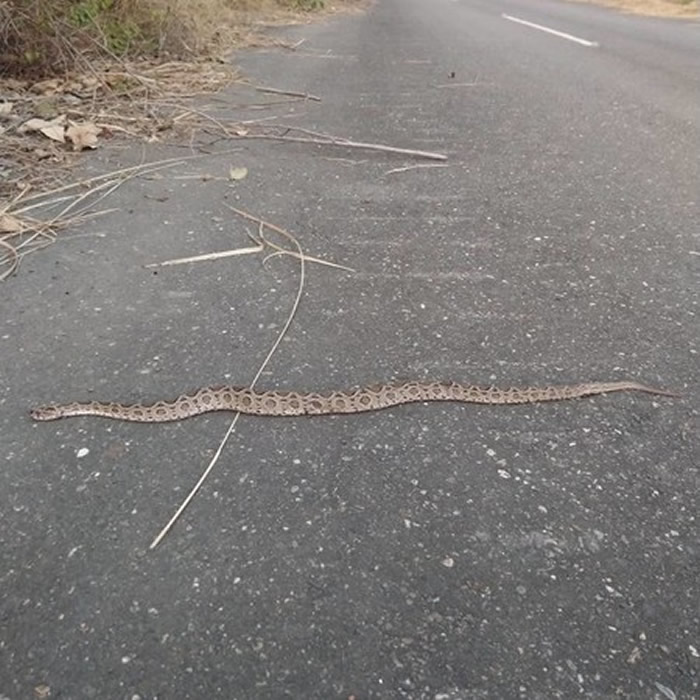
<point x="41" y="38"/>
<point x="44" y="37"/>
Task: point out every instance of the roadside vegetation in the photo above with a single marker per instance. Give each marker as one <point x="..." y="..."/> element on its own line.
<point x="40" y="38"/>
<point x="652" y="8"/>
<point x="78" y="74"/>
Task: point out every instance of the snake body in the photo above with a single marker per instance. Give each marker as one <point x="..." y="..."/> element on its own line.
<point x="291" y="403"/>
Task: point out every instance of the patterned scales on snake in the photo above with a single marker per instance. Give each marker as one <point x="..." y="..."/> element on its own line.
<point x="370" y="398"/>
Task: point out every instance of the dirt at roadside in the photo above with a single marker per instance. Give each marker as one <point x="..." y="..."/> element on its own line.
<point x="652" y="8"/>
<point x="45" y="120"/>
<point x="48" y="123"/>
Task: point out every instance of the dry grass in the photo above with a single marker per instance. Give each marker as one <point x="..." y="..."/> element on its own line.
<point x="652" y="8"/>
<point x="30" y="222"/>
<point x="108" y="69"/>
<point x="39" y="38"/>
<point x="125" y="66"/>
<point x="141" y="99"/>
<point x="81" y="88"/>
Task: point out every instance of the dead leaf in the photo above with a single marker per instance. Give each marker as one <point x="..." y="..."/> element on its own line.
<point x="83" y="135"/>
<point x="90" y="82"/>
<point x="9" y="224"/>
<point x="42" y="691"/>
<point x="6" y="108"/>
<point x="32" y="125"/>
<point x="47" y="87"/>
<point x="74" y="87"/>
<point x="53" y="129"/>
<point x="237" y="173"/>
<point x="55" y="132"/>
<point x="241" y="132"/>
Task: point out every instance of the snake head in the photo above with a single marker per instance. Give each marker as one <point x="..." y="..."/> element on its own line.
<point x="44" y="413"/>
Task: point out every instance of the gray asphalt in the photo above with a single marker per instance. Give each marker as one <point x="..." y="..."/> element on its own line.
<point x="440" y="552"/>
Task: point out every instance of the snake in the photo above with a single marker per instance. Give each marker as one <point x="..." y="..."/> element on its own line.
<point x="292" y="403"/>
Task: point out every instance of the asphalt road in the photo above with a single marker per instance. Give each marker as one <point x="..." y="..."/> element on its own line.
<point x="440" y="552"/>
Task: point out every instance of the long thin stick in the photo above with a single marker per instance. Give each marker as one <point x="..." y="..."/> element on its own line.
<point x="166" y="162"/>
<point x="291" y="93"/>
<point x="15" y="199"/>
<point x="415" y="167"/>
<point x="345" y="143"/>
<point x="281" y="231"/>
<point x="258" y="374"/>
<point x="13" y="256"/>
<point x="456" y="85"/>
<point x="104" y="185"/>
<point x="208" y="256"/>
<point x="105" y="176"/>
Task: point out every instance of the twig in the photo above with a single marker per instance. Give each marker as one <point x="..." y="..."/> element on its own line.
<point x="14" y="257"/>
<point x="262" y="105"/>
<point x="115" y="173"/>
<point x="267" y="119"/>
<point x="345" y="143"/>
<point x="286" y="128"/>
<point x="234" y="421"/>
<point x="344" y="161"/>
<point x="311" y="54"/>
<point x="191" y="110"/>
<point x="456" y="85"/>
<point x="209" y="256"/>
<point x="281" y="231"/>
<point x="414" y="167"/>
<point x="110" y="186"/>
<point x="77" y="205"/>
<point x="147" y="167"/>
<point x="39" y="230"/>
<point x="291" y="93"/>
<point x="15" y="199"/>
<point x="258" y="248"/>
<point x="45" y="203"/>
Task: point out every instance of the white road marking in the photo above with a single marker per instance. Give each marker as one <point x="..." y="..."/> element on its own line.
<point x="563" y="35"/>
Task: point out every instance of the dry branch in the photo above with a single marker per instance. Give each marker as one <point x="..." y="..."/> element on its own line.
<point x="297" y="300"/>
<point x="346" y="143"/>
<point x="279" y="249"/>
<point x="209" y="256"/>
<point x="456" y="85"/>
<point x="414" y="167"/>
<point x="21" y="234"/>
<point x="291" y="93"/>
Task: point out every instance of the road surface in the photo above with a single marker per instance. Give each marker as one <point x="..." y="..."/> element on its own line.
<point x="431" y="552"/>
